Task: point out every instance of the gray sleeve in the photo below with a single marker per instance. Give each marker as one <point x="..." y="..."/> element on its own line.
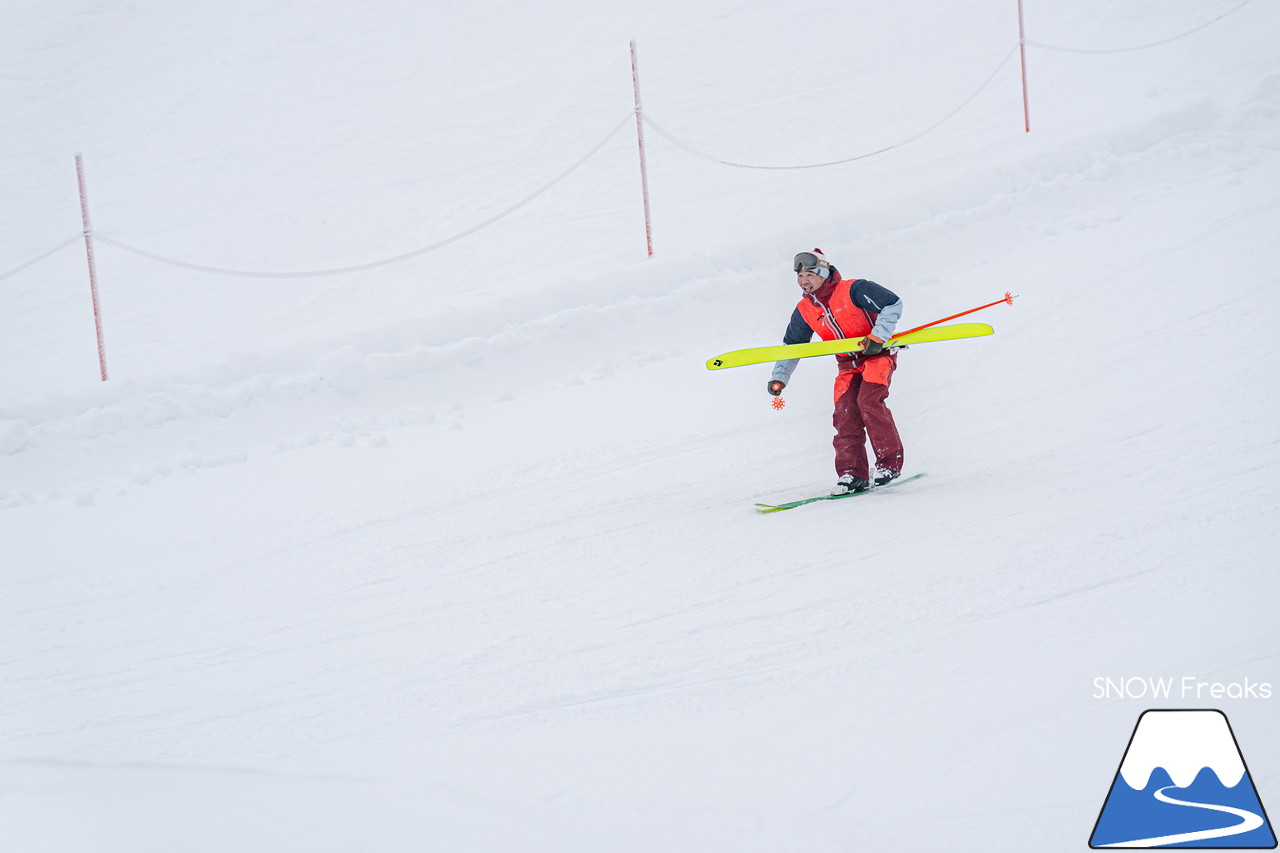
<point x="783" y="369"/>
<point x="798" y="332"/>
<point x="887" y="321"/>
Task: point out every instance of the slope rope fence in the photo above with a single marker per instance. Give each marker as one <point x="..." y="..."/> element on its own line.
<point x="695" y="152"/>
<point x="980" y="89"/>
<point x="49" y="254"/>
<point x="1169" y="40"/>
<point x="111" y="241"/>
<point x="648" y="120"/>
<point x="642" y="118"/>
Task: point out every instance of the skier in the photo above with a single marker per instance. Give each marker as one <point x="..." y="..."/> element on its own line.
<point x="837" y="308"/>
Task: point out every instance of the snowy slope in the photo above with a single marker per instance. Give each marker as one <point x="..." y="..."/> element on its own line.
<point x="457" y="553"/>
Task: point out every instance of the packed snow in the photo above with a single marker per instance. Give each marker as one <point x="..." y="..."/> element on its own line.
<point x="457" y="551"/>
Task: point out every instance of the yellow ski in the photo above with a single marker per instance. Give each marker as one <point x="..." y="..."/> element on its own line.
<point x="759" y="355"/>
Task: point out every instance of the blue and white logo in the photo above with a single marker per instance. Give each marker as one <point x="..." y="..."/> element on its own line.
<point x="1183" y="783"/>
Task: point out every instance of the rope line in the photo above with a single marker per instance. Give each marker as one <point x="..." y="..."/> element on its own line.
<point x="34" y="261"/>
<point x="1205" y="25"/>
<point x="689" y="149"/>
<point x="104" y="238"/>
<point x="385" y="261"/>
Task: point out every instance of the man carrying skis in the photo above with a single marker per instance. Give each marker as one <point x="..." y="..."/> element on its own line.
<point x="838" y="308"/>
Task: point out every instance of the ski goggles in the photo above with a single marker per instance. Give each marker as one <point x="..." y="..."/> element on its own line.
<point x="809" y="262"/>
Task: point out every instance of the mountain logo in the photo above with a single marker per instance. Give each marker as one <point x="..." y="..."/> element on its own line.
<point x="1183" y="783"/>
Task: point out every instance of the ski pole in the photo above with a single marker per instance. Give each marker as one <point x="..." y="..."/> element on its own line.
<point x="1008" y="300"/>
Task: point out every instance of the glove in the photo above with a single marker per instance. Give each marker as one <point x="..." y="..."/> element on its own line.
<point x="870" y="346"/>
<point x="776" y="386"/>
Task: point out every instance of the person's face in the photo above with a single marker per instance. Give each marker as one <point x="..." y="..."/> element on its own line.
<point x="809" y="281"/>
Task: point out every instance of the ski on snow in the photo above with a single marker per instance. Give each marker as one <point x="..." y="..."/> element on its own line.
<point x="872" y="490"/>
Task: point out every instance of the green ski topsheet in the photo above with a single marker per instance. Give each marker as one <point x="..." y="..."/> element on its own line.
<point x="759" y="355"/>
<point x="802" y="502"/>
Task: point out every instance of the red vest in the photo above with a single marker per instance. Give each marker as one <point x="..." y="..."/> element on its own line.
<point x="840" y="319"/>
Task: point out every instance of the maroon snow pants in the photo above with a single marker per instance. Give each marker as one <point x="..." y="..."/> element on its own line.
<point x="860" y="414"/>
